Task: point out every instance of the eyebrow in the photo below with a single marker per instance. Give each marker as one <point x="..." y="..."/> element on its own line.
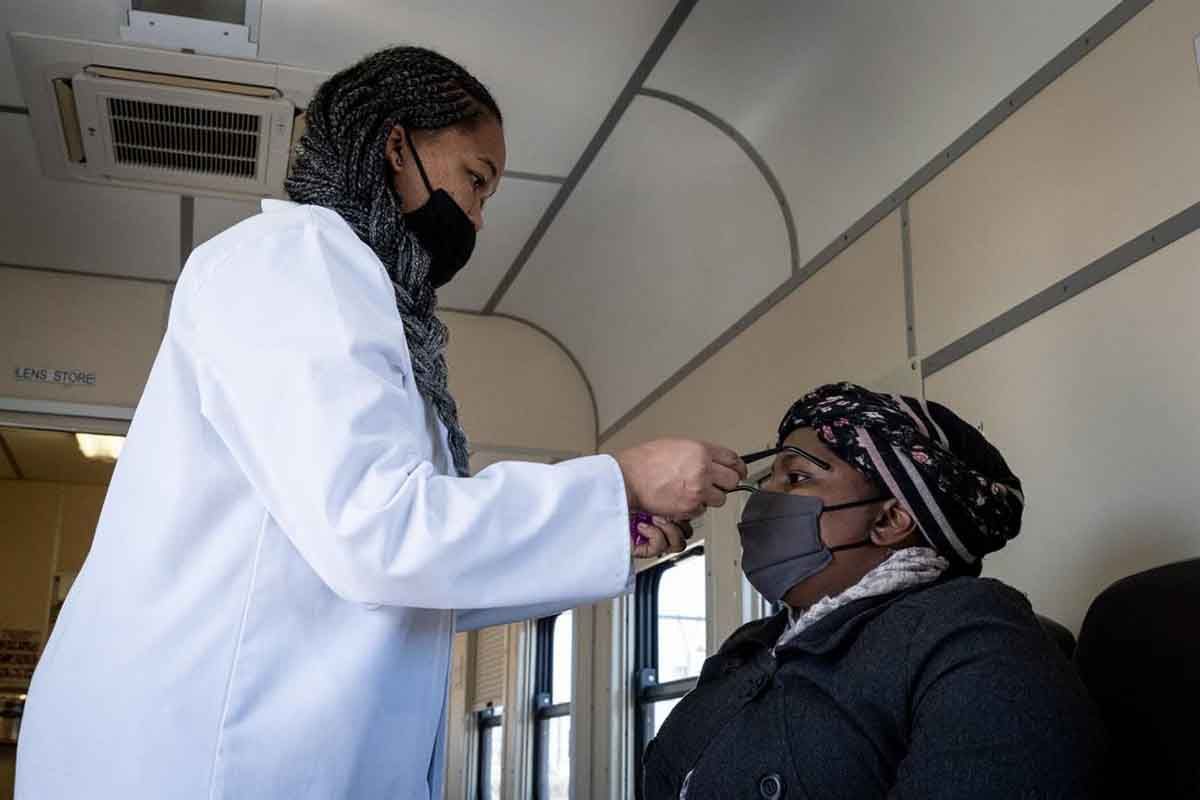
<point x="790" y="459"/>
<point x="792" y="452"/>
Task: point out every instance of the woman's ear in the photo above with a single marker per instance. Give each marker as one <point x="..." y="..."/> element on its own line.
<point x="394" y="149"/>
<point x="894" y="525"/>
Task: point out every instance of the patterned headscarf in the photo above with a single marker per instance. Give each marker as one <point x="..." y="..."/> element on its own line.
<point x="957" y="486"/>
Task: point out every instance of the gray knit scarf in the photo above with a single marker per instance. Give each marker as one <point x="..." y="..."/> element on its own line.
<point x="341" y="164"/>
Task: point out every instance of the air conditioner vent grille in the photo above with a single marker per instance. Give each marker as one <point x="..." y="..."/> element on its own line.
<point x="195" y="140"/>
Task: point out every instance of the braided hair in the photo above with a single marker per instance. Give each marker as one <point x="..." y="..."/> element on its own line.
<point x="341" y="164"/>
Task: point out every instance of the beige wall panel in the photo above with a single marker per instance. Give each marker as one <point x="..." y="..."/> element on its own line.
<point x="846" y="322"/>
<point x="1094" y="405"/>
<point x="70" y="322"/>
<point x="81" y="512"/>
<point x="516" y="387"/>
<point x="28" y="523"/>
<point x="1106" y="152"/>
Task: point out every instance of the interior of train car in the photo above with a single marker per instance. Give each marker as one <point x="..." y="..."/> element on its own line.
<point x="392" y="391"/>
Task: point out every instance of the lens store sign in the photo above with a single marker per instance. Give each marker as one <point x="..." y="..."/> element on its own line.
<point x="59" y="377"/>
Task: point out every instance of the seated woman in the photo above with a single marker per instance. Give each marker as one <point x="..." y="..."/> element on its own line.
<point x="894" y="671"/>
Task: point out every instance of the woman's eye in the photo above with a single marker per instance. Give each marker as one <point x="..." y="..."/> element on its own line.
<point x="796" y="478"/>
<point x="477" y="180"/>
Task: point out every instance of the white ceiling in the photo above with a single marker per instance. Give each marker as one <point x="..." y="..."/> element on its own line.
<point x="669" y="238"/>
<point x="672" y="235"/>
<point x="554" y="67"/>
<point x="95" y="20"/>
<point x="75" y="226"/>
<point x="508" y="220"/>
<point x="48" y="456"/>
<point x="846" y="99"/>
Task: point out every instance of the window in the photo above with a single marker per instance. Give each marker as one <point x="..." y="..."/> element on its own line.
<point x="552" y="708"/>
<point x="670" y="641"/>
<point x="491" y="746"/>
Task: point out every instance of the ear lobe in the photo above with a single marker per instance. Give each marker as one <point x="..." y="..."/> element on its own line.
<point x="394" y="148"/>
<point x="894" y="525"/>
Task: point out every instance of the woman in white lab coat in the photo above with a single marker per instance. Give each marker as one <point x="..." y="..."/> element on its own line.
<point x="268" y="605"/>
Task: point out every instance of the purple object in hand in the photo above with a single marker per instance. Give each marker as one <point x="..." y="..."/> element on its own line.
<point x="636" y="518"/>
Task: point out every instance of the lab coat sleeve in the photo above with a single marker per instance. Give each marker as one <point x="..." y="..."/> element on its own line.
<point x="472" y="619"/>
<point x="304" y="374"/>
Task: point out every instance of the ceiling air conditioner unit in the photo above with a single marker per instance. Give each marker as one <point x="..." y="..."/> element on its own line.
<point x="157" y="119"/>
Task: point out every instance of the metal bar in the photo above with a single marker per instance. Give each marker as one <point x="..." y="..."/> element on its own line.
<point x="7" y="109"/>
<point x="556" y="710"/>
<point x="1103" y="268"/>
<point x="910" y="310"/>
<point x="533" y="176"/>
<point x="62" y="409"/>
<point x="667" y="691"/>
<point x="85" y="274"/>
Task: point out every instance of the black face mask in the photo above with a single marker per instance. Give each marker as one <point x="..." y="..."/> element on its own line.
<point x="442" y="228"/>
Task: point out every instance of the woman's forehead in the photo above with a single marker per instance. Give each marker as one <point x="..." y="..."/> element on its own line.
<point x="487" y="138"/>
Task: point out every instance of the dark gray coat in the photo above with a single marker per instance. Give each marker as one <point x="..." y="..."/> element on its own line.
<point x="948" y="691"/>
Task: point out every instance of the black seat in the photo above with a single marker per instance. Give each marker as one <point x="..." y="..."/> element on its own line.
<point x="1061" y="635"/>
<point x="1139" y="655"/>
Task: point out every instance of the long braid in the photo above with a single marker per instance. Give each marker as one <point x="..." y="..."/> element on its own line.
<point x="341" y="164"/>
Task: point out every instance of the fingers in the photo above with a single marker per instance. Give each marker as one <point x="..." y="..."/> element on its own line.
<point x="724" y="477"/>
<point x="713" y="497"/>
<point x="728" y="458"/>
<point x="662" y="538"/>
<point x="673" y="532"/>
<point x="655" y="545"/>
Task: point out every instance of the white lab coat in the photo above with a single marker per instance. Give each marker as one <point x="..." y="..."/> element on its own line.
<point x="267" y="608"/>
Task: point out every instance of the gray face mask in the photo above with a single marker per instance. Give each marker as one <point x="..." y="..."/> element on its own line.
<point x="781" y="540"/>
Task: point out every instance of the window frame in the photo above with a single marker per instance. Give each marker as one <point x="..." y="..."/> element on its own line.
<point x="647" y="690"/>
<point x="544" y="709"/>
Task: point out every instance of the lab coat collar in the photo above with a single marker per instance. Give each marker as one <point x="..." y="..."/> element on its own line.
<point x="269" y="205"/>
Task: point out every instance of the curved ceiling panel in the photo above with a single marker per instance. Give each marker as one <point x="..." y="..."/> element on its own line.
<point x="508" y="219"/>
<point x="498" y="365"/>
<point x="76" y="226"/>
<point x="555" y="68"/>
<point x="671" y="236"/>
<point x="846" y="99"/>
